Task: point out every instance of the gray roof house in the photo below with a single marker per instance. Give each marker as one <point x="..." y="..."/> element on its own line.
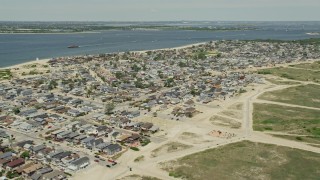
<point x="38" y="148"/>
<point x="55" y="153"/>
<point x="79" y="164"/>
<point x="6" y="155"/>
<point x="112" y="149"/>
<point x="64" y="134"/>
<point x="87" y="140"/>
<point x="102" y="145"/>
<point x="94" y="143"/>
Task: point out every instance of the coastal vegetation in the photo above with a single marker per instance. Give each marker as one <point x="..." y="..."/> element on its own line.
<point x="245" y="160"/>
<point x="139" y="158"/>
<point x="138" y="177"/>
<point x="291" y="120"/>
<point x="169" y="148"/>
<point x="304" y="95"/>
<point x="5" y="74"/>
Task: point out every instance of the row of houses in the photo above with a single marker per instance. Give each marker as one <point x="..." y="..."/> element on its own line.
<point x="37" y="162"/>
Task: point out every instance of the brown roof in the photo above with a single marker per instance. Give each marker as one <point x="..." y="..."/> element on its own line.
<point x="15" y="163"/>
<point x="20" y="170"/>
<point x="5" y="161"/>
<point x="32" y="168"/>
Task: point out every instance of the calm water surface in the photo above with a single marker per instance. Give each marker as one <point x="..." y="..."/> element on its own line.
<point x="20" y="48"/>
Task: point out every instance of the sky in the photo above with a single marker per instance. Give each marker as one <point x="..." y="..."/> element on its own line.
<point x="159" y="10"/>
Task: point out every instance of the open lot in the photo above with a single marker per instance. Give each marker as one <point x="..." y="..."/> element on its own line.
<point x="279" y="81"/>
<point x="223" y="121"/>
<point x="246" y="160"/>
<point x="293" y="73"/>
<point x="305" y="95"/>
<point x="236" y="106"/>
<point x="286" y="119"/>
<point x="231" y="113"/>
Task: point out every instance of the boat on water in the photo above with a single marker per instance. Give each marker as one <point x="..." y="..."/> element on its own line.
<point x="73" y="46"/>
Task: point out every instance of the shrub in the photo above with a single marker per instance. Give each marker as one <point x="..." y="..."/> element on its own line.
<point x="134" y="148"/>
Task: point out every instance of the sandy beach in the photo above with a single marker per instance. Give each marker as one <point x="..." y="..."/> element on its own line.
<point x="40" y="61"/>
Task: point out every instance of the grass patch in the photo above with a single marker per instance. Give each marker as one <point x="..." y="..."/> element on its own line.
<point x="138" y="177"/>
<point x="5" y="74"/>
<point x="246" y="160"/>
<point x="305" y="95"/>
<point x="169" y="148"/>
<point x="232" y="113"/>
<point x="139" y="158"/>
<point x="293" y="74"/>
<point x="311" y="66"/>
<point x="286" y="119"/>
<point x="134" y="148"/>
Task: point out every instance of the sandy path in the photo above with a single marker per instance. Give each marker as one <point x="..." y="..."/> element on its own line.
<point x="284" y="104"/>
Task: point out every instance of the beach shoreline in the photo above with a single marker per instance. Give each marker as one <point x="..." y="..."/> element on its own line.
<point x="40" y="61"/>
<point x="45" y="60"/>
<point x="52" y="33"/>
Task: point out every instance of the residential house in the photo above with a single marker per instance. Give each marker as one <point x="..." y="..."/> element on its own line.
<point x="6" y="155"/>
<point x="87" y="140"/>
<point x="26" y="126"/>
<point x="54" y="175"/>
<point x="79" y="164"/>
<point x="94" y="143"/>
<point x="112" y="149"/>
<point x="36" y="149"/>
<point x="74" y="113"/>
<point x="15" y="163"/>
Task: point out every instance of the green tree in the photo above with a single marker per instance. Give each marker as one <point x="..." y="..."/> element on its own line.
<point x="119" y="75"/>
<point x="16" y="110"/>
<point x="136" y="68"/>
<point x="109" y="108"/>
<point x="25" y="154"/>
<point x="169" y="83"/>
<point x="52" y="84"/>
